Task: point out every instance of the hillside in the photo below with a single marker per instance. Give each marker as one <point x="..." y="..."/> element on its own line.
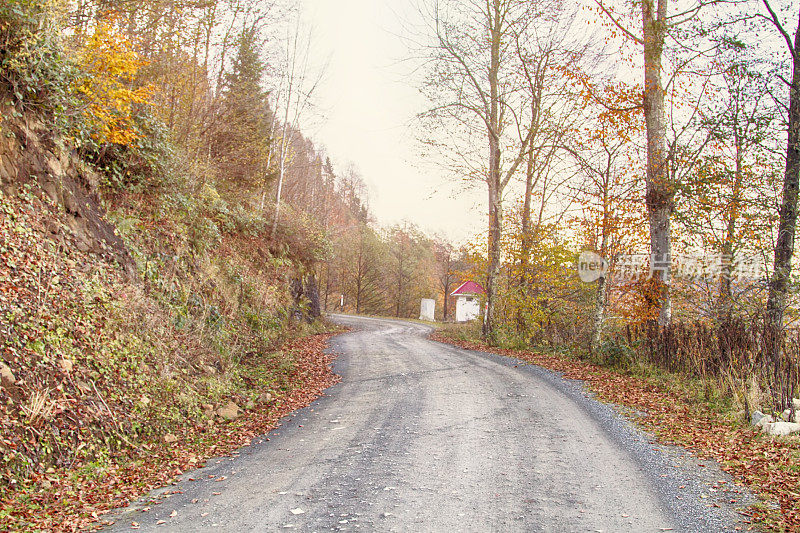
<point x="122" y="344"/>
<point x="148" y="322"/>
<point x="169" y="244"/>
<point x="178" y="212"/>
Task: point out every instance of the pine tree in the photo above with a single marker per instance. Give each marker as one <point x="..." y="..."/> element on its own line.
<point x="243" y="136"/>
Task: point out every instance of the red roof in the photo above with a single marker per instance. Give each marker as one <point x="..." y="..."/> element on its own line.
<point x="468" y="287"/>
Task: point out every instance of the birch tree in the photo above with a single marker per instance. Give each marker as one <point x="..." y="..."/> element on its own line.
<point x="657" y="25"/>
<point x="297" y="84"/>
<point x="607" y="154"/>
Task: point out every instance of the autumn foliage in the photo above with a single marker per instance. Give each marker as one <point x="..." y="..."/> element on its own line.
<point x="109" y="64"/>
<point x="676" y="416"/>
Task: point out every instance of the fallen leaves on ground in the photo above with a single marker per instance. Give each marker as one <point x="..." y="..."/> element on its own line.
<point x="767" y="465"/>
<point x="62" y="501"/>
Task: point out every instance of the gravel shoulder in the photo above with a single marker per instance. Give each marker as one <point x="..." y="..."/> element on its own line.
<point x="425" y="436"/>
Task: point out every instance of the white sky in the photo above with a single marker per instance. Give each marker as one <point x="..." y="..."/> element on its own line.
<point x="368" y="100"/>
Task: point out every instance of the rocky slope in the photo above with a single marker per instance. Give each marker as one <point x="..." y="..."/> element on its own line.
<point x="127" y="337"/>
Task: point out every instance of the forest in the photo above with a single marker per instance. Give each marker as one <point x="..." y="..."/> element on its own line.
<point x="657" y="142"/>
<point x="160" y="192"/>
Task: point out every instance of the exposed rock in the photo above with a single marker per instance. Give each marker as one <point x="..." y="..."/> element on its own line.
<point x="66" y="364"/>
<point x="30" y="153"/>
<point x="229" y="411"/>
<point x="781" y="428"/>
<point x="56" y="167"/>
<point x="764" y="420"/>
<point x="796" y="402"/>
<point x="755" y="417"/>
<point x="265" y="398"/>
<point x="184" y="399"/>
<point x="250" y="405"/>
<point x="71" y="203"/>
<point x="52" y="226"/>
<point x="51" y="191"/>
<point x="785" y="416"/>
<point x="7" y="377"/>
<point x="169" y="438"/>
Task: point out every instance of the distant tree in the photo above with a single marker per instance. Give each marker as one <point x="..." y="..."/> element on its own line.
<point x="410" y="265"/>
<point x="401" y="245"/>
<point x="473" y="84"/>
<point x="292" y="99"/>
<point x="241" y="139"/>
<point x="446" y="271"/>
<point x="366" y="279"/>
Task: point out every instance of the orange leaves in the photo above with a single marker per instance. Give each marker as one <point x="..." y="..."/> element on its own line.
<point x="767" y="465"/>
<point x="110" y="64"/>
<point x="639" y="301"/>
<point x="73" y="503"/>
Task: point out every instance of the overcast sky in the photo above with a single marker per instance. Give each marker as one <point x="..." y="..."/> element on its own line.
<point x="367" y="104"/>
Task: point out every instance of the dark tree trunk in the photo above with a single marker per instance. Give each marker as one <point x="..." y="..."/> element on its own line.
<point x="446" y="300"/>
<point x="312" y="294"/>
<point x="784" y="247"/>
<point x="327" y="284"/>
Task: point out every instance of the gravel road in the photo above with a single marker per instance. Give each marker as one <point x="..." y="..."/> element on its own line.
<point x="421" y="436"/>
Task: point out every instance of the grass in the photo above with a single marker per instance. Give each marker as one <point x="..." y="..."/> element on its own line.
<point x="697" y="414"/>
<point x="106" y="368"/>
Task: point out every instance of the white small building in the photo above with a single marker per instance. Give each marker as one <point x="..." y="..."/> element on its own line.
<point x="427" y="310"/>
<point x="468" y="301"/>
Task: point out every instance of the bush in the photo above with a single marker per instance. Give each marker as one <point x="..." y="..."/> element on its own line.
<point x="32" y="65"/>
<point x="146" y="162"/>
<point x="617" y="354"/>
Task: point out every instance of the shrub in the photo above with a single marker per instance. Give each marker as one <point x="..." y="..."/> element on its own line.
<point x="616" y="353"/>
<point x="32" y="65"/>
<point x="146" y="162"/>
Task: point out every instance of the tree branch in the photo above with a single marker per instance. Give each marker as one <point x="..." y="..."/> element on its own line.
<point x="617" y="23"/>
<point x="780" y="29"/>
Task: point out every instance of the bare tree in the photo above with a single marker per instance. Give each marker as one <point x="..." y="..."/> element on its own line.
<point x="787" y="222"/>
<point x="554" y="109"/>
<point x="475" y="85"/>
<point x="444" y="254"/>
<point x="661" y="185"/>
<point x="293" y="98"/>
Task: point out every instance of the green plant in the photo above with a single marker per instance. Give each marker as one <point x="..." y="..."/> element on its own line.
<point x="32" y="65"/>
<point x="617" y="354"/>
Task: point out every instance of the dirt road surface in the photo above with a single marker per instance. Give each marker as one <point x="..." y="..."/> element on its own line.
<point x="421" y="436"/>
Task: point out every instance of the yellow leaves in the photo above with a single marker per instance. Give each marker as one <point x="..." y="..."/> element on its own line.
<point x="110" y="64"/>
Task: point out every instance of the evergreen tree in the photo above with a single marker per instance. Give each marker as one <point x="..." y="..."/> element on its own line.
<point x="242" y="140"/>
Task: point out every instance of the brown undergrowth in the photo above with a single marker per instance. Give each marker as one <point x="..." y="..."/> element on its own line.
<point x="770" y="466"/>
<point x="59" y="500"/>
<point x="110" y="386"/>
